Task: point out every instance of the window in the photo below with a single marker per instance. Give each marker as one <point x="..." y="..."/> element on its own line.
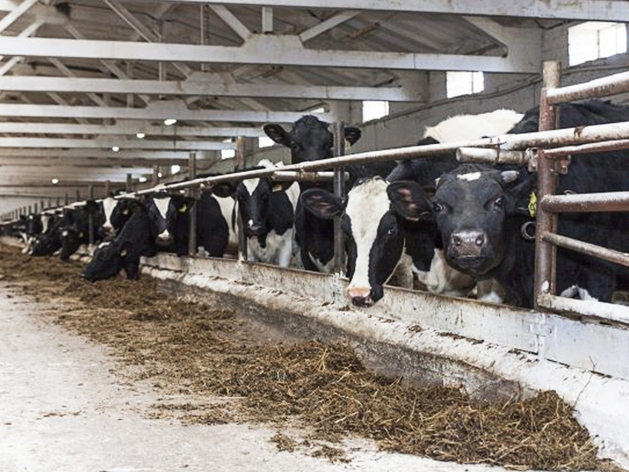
<point x="464" y="83"/>
<point x="265" y="141"/>
<point x="372" y="110"/>
<point x="595" y="39"/>
<point x="227" y="153"/>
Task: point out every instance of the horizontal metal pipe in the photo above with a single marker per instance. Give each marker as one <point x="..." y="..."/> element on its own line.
<point x="558" y="153"/>
<point x="582" y="247"/>
<point x="586" y="202"/>
<point x="613" y="84"/>
<point x="491" y="156"/>
<point x="323" y="176"/>
<point x="585" y="308"/>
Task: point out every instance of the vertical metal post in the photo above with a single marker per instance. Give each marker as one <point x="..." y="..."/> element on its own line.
<point x="42" y="205"/>
<point x="129" y="185"/>
<point x="546" y="253"/>
<point x="90" y="217"/>
<point x="58" y="201"/>
<point x="30" y="210"/>
<point x="155" y="175"/>
<point x="339" y="191"/>
<point x="78" y="195"/>
<point x="192" y="213"/>
<point x="107" y="187"/>
<point x="240" y="164"/>
<point x="35" y="208"/>
<point x="67" y="199"/>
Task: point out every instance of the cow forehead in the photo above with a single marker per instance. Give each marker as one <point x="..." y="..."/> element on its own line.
<point x="470" y="177"/>
<point x="366" y="205"/>
<point x="162" y="205"/>
<point x="251" y="184"/>
<point x="108" y="206"/>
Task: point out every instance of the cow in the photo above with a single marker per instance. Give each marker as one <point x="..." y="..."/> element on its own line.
<point x="217" y="230"/>
<point x="116" y="212"/>
<point x="480" y="212"/>
<point x="76" y="227"/>
<point x="169" y="218"/>
<point x="310" y="139"/>
<point x="379" y="232"/>
<point x="134" y="240"/>
<point x="267" y="209"/>
<point x="48" y="242"/>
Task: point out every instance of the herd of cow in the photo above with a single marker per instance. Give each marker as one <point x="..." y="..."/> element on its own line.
<point x="448" y="225"/>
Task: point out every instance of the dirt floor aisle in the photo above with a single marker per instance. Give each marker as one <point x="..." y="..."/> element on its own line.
<point x="64" y="407"/>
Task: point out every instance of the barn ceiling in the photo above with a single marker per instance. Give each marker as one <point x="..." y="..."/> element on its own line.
<point x="78" y="77"/>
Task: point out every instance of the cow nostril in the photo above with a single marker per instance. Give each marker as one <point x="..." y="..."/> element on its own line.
<point x="457" y="241"/>
<point x="480" y="240"/>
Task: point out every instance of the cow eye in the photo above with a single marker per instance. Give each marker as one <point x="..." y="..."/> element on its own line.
<point x="499" y="201"/>
<point x="294" y="145"/>
<point x="437" y="207"/>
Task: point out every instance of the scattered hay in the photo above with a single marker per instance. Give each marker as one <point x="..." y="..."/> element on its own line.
<point x="193" y="349"/>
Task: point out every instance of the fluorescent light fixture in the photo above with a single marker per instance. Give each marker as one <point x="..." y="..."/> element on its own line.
<point x="55" y="181"/>
<point x="140" y="135"/>
<point x="142" y="179"/>
<point x="115" y="148"/>
<point x="170" y="121"/>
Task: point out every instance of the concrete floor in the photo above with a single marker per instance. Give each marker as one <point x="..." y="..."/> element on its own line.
<point x="64" y="408"/>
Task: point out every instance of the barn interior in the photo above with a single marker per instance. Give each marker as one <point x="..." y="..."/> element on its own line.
<point x="100" y="96"/>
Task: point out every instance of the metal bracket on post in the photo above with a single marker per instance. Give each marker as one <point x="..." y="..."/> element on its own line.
<point x="339" y="191"/>
<point x="535" y="154"/>
<point x="192" y="213"/>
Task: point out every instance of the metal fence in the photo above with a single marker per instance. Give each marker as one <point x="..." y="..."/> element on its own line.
<point x="544" y="151"/>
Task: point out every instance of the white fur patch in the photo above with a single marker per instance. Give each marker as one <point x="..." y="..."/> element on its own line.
<point x="162" y="205"/>
<point x="469" y="127"/>
<point x="366" y="205"/>
<point x="109" y="204"/>
<point x="278" y="248"/>
<point x="574" y="291"/>
<point x="443" y="279"/>
<point x="472" y="176"/>
<point x="227" y="206"/>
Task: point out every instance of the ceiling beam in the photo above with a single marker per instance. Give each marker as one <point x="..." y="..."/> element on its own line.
<point x="15" y="14"/>
<point x="259" y="49"/>
<point x="128" y="128"/>
<point x="109" y="142"/>
<point x="201" y="84"/>
<point x="326" y="25"/>
<point x="151" y="113"/>
<point x="230" y="20"/>
<point x="100" y="153"/>
<point x="37" y="161"/>
<point x="602" y="10"/>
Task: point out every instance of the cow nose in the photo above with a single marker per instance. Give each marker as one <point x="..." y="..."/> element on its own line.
<point x="164" y="237"/>
<point x="255" y="228"/>
<point x="467" y="243"/>
<point x="360" y="296"/>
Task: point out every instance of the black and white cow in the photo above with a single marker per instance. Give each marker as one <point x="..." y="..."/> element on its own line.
<point x="134" y="240"/>
<point x="310" y="140"/>
<point x="169" y="218"/>
<point x="268" y="209"/>
<point x="75" y="230"/>
<point x="480" y="211"/>
<point x="380" y="229"/>
<point x="116" y="212"/>
<point x="217" y="230"/>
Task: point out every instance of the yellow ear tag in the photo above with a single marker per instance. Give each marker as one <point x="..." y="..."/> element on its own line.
<point x="81" y="234"/>
<point x="183" y="208"/>
<point x="533" y="205"/>
<point x="277" y="188"/>
<point x="123" y="253"/>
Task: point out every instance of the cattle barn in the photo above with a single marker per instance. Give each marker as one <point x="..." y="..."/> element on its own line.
<point x="307" y="235"/>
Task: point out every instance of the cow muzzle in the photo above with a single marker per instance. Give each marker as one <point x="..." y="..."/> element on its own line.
<point x="361" y="296"/>
<point x="466" y="244"/>
<point x="164" y="238"/>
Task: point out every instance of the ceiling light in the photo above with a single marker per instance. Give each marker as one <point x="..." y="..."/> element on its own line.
<point x="160" y="175"/>
<point x="142" y="179"/>
<point x="140" y="135"/>
<point x="170" y="121"/>
<point x="115" y="148"/>
<point x="55" y="181"/>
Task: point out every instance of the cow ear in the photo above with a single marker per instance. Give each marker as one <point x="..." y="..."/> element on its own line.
<point x="352" y="135"/>
<point x="322" y="203"/>
<point x="509" y="176"/>
<point x="281" y="186"/>
<point x="409" y="200"/>
<point x="277" y="133"/>
<point x="223" y="189"/>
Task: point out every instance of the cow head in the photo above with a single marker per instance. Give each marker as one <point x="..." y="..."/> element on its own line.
<point x="471" y="206"/>
<point x="253" y="197"/>
<point x="108" y="260"/>
<point x="116" y="214"/>
<point x="371" y="220"/>
<point x="33" y="224"/>
<point x="163" y="211"/>
<point x="309" y="139"/>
